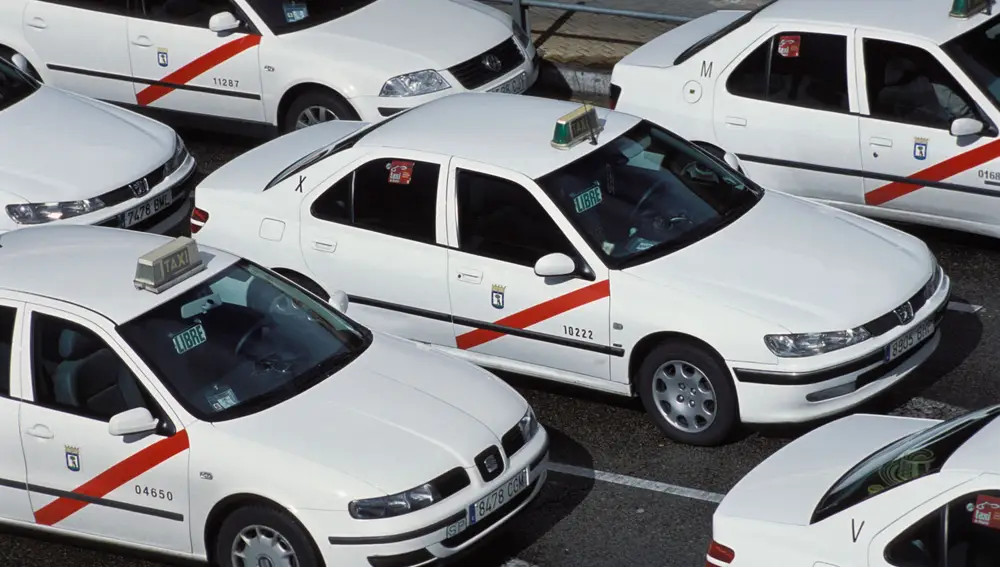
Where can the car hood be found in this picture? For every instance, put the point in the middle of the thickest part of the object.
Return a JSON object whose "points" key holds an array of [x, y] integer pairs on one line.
{"points": [[788, 485], [398, 407], [800, 265], [405, 36], [58, 146]]}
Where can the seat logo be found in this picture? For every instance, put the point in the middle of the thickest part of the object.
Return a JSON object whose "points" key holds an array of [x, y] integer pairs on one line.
{"points": [[491, 62], [491, 464], [140, 187], [904, 312]]}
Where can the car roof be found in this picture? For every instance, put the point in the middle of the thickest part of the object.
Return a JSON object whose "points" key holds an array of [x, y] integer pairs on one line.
{"points": [[978, 453], [91, 266], [509, 131], [927, 19]]}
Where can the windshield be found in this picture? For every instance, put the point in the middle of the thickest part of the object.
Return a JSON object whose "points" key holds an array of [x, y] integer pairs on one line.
{"points": [[285, 16], [914, 456], [975, 52], [14, 85], [647, 193], [242, 342]]}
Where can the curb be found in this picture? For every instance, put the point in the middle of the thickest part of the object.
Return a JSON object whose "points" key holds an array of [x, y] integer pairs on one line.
{"points": [[573, 80]]}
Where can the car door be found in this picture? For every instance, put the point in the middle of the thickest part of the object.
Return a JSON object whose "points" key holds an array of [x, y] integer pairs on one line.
{"points": [[83, 46], [960, 528], [910, 95], [179, 64], [788, 107], [75, 377], [14, 503], [498, 228], [372, 230]]}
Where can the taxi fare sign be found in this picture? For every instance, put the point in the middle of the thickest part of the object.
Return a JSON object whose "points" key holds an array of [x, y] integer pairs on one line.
{"points": [[167, 265], [965, 8], [575, 127]]}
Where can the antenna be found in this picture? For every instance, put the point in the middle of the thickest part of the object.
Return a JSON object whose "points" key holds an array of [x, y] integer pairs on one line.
{"points": [[591, 126]]}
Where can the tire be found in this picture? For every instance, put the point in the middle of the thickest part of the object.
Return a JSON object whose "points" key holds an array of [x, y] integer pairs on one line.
{"points": [[319, 102], [662, 396], [254, 521]]}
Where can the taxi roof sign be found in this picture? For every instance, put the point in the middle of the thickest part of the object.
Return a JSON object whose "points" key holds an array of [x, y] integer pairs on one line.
{"points": [[576, 127], [168, 265], [966, 8]]}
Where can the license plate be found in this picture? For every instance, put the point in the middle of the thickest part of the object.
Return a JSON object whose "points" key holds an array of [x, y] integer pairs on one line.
{"points": [[490, 503], [145, 210], [517, 85], [911, 339]]}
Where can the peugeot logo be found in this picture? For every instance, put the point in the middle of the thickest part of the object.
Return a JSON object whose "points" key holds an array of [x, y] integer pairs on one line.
{"points": [[491, 62], [904, 312], [140, 187], [491, 464]]}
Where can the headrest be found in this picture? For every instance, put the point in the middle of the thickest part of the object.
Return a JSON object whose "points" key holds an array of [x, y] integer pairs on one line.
{"points": [[74, 345], [896, 69]]}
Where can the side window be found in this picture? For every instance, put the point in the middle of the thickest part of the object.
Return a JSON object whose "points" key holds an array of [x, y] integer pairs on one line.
{"points": [[965, 533], [74, 370], [7, 316], [392, 196], [108, 6], [907, 84], [195, 13], [798, 69], [501, 220]]}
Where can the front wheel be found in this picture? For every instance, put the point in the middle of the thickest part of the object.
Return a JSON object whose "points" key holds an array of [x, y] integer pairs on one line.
{"points": [[256, 536], [315, 107], [688, 394]]}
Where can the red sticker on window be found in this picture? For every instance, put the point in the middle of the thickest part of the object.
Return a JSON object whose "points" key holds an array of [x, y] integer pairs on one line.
{"points": [[400, 172], [788, 45], [987, 512]]}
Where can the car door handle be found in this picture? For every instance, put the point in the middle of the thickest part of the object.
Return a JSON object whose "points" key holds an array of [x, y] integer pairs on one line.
{"points": [[470, 276], [736, 121], [40, 431], [882, 142], [38, 23], [142, 41], [324, 246]]}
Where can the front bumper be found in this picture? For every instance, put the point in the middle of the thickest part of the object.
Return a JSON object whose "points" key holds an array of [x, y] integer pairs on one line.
{"points": [[171, 220], [428, 540], [770, 397]]}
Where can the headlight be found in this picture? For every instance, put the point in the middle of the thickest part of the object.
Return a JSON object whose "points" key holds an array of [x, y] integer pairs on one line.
{"points": [[936, 276], [394, 505], [40, 213], [179, 157], [414, 84], [521, 35], [528, 425], [798, 345]]}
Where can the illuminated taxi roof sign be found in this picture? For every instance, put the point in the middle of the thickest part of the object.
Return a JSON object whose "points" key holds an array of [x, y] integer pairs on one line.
{"points": [[168, 265], [575, 127], [966, 8]]}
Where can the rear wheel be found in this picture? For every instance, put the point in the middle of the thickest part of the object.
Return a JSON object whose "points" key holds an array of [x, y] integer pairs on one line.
{"points": [[258, 536], [315, 107]]}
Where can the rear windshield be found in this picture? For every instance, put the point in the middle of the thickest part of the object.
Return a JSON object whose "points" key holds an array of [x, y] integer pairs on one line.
{"points": [[712, 38], [914, 456]]}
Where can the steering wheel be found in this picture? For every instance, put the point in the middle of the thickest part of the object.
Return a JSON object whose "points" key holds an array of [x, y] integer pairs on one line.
{"points": [[256, 328], [640, 211]]}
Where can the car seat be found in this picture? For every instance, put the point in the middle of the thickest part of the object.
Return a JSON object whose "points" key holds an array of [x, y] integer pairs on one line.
{"points": [[91, 376]]}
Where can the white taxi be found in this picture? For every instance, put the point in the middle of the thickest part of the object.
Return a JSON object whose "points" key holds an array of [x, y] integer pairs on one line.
{"points": [[69, 159], [870, 491], [188, 402], [588, 247], [889, 109], [269, 66]]}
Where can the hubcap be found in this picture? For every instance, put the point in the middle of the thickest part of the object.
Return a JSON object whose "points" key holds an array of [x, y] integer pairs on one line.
{"points": [[260, 546], [684, 396], [314, 115]]}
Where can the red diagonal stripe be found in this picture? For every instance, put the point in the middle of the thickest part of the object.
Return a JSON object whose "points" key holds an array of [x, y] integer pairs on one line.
{"points": [[538, 313], [938, 172], [201, 65], [120, 473]]}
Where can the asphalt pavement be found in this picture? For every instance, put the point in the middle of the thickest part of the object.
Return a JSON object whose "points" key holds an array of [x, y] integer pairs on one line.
{"points": [[620, 493]]}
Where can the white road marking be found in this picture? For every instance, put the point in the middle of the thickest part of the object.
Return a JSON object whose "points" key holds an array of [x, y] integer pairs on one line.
{"points": [[964, 307], [634, 482]]}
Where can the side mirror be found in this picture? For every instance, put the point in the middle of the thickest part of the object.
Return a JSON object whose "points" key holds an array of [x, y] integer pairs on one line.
{"points": [[131, 422], [21, 63], [555, 264], [733, 161], [223, 22], [339, 301], [966, 127]]}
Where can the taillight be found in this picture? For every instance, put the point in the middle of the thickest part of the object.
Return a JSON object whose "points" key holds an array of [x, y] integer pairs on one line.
{"points": [[616, 92], [720, 553], [198, 219]]}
